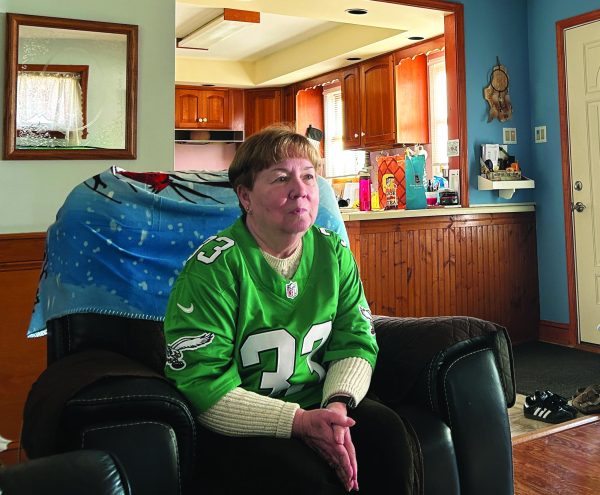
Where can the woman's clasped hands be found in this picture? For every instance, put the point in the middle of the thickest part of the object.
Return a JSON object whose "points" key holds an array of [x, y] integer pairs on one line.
{"points": [[327, 431]]}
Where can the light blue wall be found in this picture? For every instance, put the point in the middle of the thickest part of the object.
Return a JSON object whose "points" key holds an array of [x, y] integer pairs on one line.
{"points": [[32, 191], [543, 94], [522, 34], [497, 29]]}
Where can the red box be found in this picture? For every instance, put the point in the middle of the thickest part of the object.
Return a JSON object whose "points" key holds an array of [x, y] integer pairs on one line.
{"points": [[392, 165]]}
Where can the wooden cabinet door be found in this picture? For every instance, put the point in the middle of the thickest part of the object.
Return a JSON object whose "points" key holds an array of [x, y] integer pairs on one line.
{"points": [[289, 105], [351, 108], [412, 100], [215, 113], [263, 108], [202, 108], [377, 102], [187, 108]]}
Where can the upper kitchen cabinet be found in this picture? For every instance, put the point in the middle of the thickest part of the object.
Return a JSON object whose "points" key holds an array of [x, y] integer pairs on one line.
{"points": [[262, 108], [351, 103], [199, 108], [368, 96], [289, 105], [412, 101]]}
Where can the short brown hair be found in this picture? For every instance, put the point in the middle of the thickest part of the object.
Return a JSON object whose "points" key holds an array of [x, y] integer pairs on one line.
{"points": [[265, 148]]}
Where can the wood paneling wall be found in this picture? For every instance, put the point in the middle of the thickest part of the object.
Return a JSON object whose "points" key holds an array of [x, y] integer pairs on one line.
{"points": [[481, 265], [21, 359]]}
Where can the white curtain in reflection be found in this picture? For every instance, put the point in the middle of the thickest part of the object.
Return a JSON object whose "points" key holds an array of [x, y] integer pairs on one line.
{"points": [[50, 102]]}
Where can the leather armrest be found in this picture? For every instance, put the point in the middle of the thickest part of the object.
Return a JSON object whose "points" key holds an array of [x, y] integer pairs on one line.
{"points": [[410, 348], [103, 400], [118, 412], [461, 369], [125, 398]]}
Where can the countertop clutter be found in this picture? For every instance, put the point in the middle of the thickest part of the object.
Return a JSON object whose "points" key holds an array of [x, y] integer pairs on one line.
{"points": [[501, 171], [354, 214]]}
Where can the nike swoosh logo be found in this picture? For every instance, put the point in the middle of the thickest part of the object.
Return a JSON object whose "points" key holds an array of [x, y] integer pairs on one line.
{"points": [[187, 310]]}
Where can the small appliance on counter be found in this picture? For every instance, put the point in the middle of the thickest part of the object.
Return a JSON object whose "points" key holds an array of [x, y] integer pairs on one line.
{"points": [[448, 197]]}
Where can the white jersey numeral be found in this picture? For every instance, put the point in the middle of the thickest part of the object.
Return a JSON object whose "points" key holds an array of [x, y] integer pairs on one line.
{"points": [[217, 249], [285, 345], [316, 332]]}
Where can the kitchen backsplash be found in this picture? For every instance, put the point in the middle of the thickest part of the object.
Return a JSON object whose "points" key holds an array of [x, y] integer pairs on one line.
{"points": [[204, 156]]}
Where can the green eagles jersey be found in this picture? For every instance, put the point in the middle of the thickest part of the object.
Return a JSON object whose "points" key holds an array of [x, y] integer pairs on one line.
{"points": [[234, 321]]}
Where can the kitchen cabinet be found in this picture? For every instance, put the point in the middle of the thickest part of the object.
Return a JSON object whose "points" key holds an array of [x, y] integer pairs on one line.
{"points": [[351, 103], [412, 100], [289, 105], [368, 98], [310, 111], [262, 108], [203, 108]]}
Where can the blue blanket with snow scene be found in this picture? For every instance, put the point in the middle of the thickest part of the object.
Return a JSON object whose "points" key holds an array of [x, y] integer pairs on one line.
{"points": [[121, 238]]}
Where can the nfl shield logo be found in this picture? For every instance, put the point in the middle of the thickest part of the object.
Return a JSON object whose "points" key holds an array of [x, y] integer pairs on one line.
{"points": [[291, 290]]}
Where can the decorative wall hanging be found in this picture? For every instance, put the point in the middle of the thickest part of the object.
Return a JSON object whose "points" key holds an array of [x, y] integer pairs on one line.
{"points": [[496, 94]]}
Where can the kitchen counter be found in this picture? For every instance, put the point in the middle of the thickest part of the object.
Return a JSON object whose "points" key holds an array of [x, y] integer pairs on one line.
{"points": [[479, 261], [353, 214]]}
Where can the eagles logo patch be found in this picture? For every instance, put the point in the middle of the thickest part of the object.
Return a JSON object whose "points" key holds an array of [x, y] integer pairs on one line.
{"points": [[366, 314], [175, 350]]}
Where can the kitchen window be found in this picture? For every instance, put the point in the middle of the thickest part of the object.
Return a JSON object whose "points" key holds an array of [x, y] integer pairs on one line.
{"points": [[438, 112], [338, 162]]}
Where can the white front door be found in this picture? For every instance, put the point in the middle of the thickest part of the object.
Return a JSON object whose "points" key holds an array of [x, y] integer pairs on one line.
{"points": [[582, 53]]}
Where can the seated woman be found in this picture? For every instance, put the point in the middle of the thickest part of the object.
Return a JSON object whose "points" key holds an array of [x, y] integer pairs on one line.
{"points": [[270, 338]]}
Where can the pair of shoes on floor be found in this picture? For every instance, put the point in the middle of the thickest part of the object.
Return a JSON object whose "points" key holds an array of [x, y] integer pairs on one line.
{"points": [[587, 399], [548, 407]]}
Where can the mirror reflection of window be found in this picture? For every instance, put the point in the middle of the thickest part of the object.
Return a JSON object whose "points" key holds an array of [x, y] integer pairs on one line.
{"points": [[52, 109], [104, 54]]}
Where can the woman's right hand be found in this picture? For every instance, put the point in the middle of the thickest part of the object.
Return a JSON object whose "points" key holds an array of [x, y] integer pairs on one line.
{"points": [[315, 428]]}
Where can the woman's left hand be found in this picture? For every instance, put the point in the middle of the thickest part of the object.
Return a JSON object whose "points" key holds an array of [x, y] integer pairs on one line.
{"points": [[315, 428], [342, 437]]}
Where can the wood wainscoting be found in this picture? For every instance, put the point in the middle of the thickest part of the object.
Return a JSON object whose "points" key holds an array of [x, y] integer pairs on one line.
{"points": [[21, 359], [482, 265]]}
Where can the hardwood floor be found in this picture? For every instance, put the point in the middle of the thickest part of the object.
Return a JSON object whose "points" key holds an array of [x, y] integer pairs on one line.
{"points": [[566, 462]]}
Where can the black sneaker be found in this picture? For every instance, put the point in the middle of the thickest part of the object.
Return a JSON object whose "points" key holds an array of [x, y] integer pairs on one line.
{"points": [[548, 407], [563, 401]]}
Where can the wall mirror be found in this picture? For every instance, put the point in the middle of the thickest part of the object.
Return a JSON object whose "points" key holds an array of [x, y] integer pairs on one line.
{"points": [[71, 89]]}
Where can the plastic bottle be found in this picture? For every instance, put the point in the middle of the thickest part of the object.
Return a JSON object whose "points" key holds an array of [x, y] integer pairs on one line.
{"points": [[364, 190]]}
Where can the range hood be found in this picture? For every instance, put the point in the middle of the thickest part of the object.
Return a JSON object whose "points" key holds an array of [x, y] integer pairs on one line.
{"points": [[187, 136]]}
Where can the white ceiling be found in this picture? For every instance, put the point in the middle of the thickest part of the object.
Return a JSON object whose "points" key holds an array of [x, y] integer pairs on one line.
{"points": [[288, 24]]}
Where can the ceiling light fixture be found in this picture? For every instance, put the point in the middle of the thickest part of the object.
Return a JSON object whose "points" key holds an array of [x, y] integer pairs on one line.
{"points": [[357, 11], [230, 22]]}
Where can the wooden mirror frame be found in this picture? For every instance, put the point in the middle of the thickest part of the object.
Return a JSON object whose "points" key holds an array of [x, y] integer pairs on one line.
{"points": [[11, 152]]}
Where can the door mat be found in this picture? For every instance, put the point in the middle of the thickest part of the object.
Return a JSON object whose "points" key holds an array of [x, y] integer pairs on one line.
{"points": [[562, 370]]}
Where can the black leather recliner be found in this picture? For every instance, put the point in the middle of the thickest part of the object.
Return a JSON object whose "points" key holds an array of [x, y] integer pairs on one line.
{"points": [[450, 377]]}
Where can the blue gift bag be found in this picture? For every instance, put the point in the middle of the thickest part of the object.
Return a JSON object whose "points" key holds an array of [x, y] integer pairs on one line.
{"points": [[415, 178]]}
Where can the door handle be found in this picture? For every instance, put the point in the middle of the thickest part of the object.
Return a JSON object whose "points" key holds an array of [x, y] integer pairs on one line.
{"points": [[579, 207]]}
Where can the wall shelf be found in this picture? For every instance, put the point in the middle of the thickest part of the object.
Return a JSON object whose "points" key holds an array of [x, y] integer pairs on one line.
{"points": [[505, 188]]}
